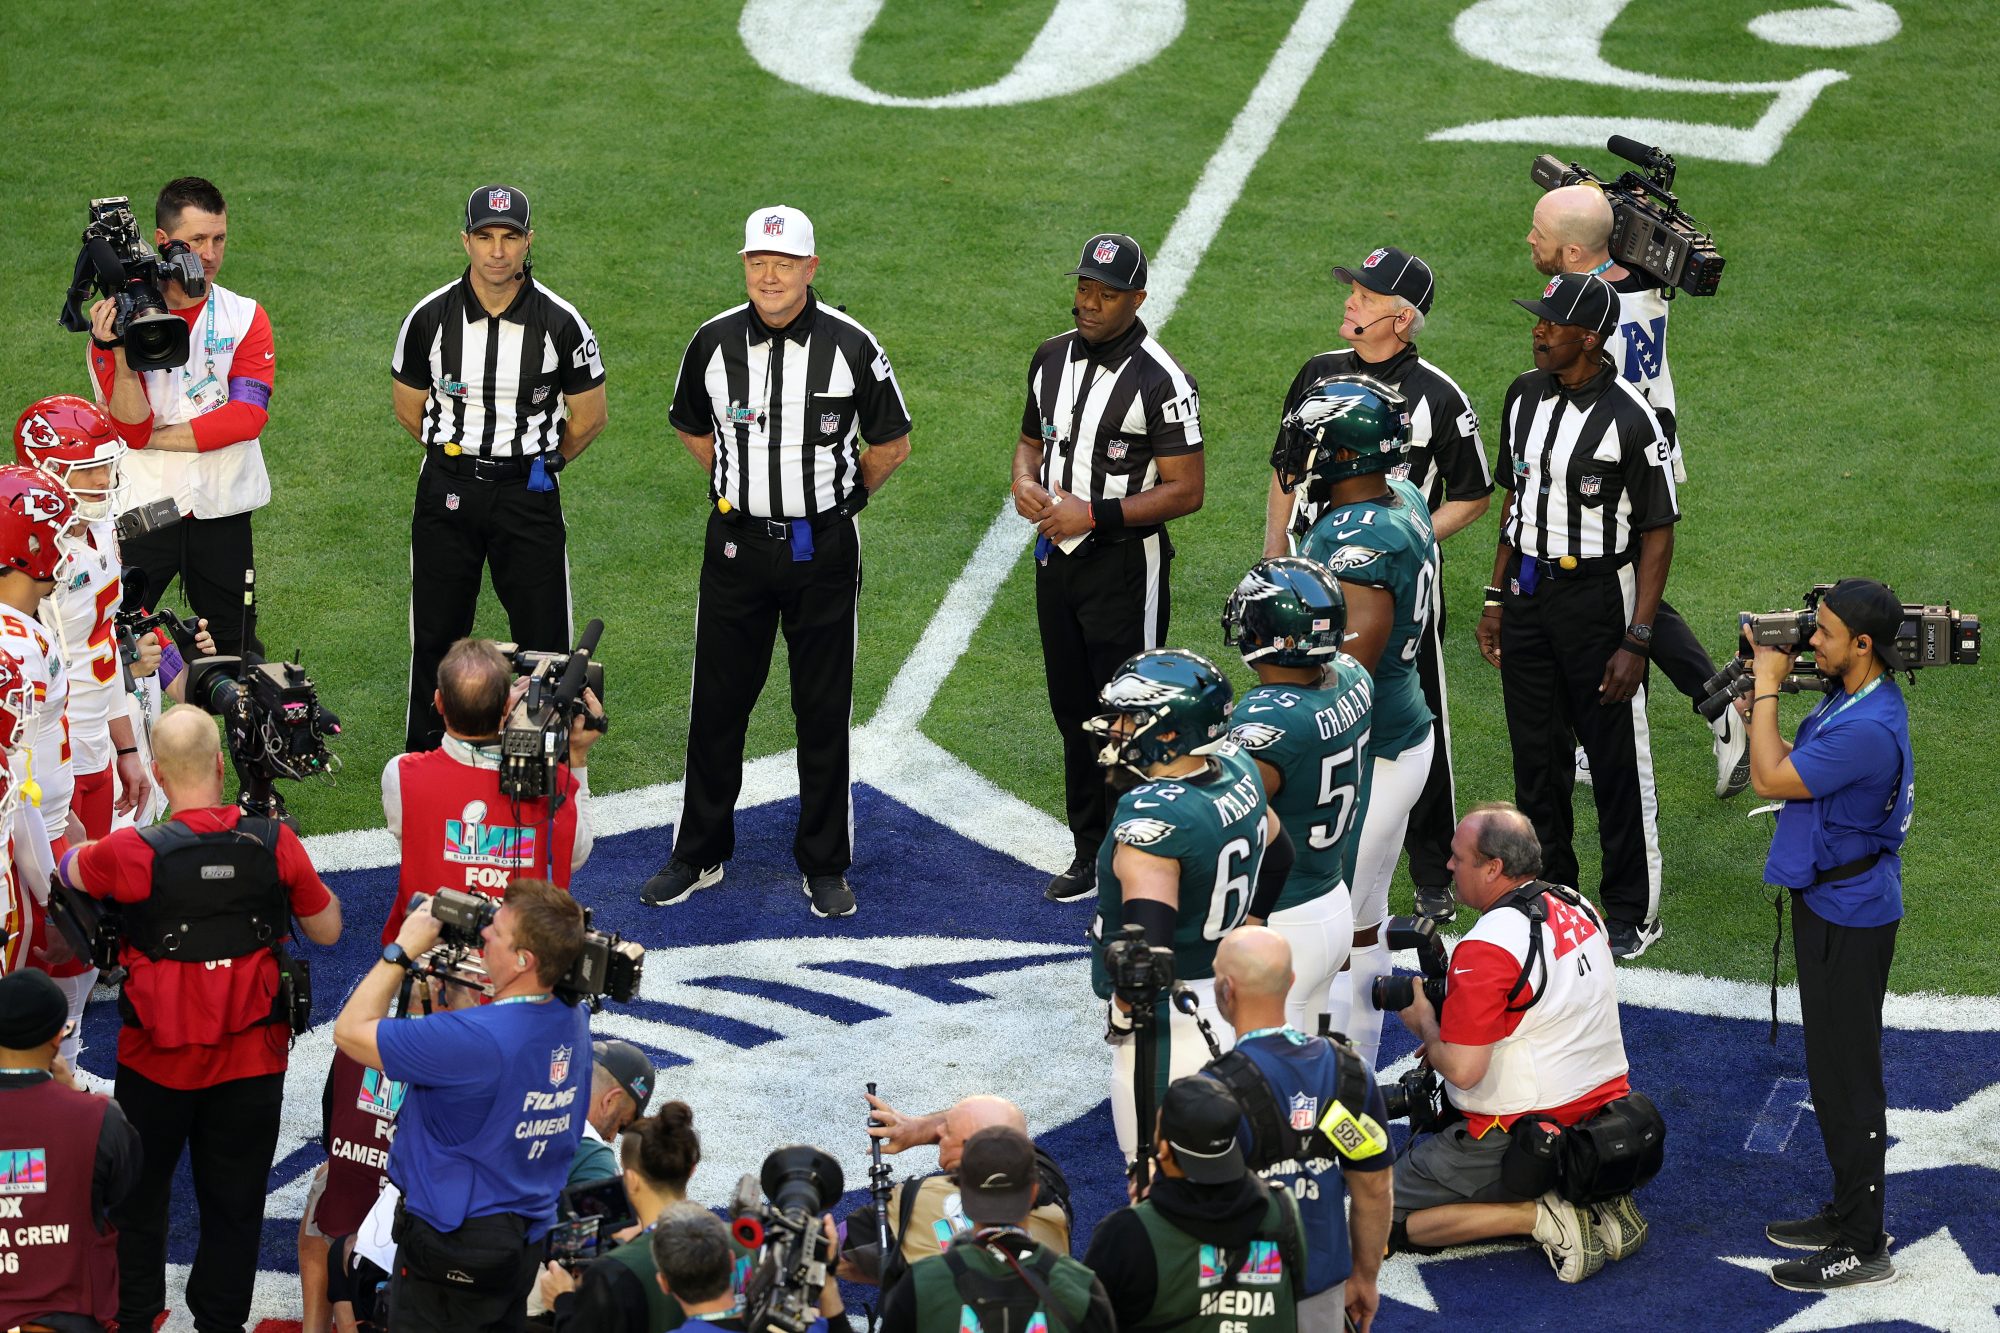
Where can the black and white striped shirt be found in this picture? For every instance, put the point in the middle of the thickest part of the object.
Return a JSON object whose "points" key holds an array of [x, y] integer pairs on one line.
{"points": [[1106, 414], [496, 382], [789, 408], [1589, 467]]}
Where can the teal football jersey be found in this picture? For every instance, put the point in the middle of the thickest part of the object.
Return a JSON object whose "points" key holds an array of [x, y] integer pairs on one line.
{"points": [[1318, 740], [1388, 545], [1215, 829]]}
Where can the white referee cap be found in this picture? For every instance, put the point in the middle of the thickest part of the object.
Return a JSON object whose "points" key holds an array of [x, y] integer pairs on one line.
{"points": [[779, 229]]}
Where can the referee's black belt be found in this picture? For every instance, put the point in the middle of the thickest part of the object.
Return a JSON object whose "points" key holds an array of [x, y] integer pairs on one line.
{"points": [[473, 468], [1097, 539], [1574, 567], [780, 530]]}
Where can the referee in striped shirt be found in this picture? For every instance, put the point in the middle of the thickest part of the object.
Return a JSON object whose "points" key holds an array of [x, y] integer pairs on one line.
{"points": [[1586, 538], [776, 400], [1110, 449], [500, 380]]}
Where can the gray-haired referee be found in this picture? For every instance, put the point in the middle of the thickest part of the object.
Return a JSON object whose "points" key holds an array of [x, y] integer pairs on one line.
{"points": [[1110, 449], [499, 379], [776, 400]]}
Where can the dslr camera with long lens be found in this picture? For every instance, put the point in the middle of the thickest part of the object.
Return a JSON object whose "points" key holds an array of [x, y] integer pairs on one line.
{"points": [[116, 262], [1393, 994], [535, 737], [1930, 635], [607, 968], [1650, 232], [798, 1184]]}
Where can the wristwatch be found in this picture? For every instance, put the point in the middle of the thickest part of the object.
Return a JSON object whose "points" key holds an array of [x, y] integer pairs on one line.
{"points": [[395, 956], [1639, 633]]}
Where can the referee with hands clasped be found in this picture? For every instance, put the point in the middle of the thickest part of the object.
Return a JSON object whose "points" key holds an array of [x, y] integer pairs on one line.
{"points": [[793, 410], [1110, 449]]}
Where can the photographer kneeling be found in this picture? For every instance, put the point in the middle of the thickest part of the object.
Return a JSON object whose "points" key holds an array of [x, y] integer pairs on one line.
{"points": [[1529, 1036], [492, 1115], [456, 827]]}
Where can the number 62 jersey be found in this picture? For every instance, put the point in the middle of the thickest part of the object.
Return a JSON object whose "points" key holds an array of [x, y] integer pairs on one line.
{"points": [[1212, 823]]}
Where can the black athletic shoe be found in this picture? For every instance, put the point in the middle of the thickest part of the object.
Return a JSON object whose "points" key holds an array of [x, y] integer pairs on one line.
{"points": [[1810, 1233], [1079, 881], [1833, 1268], [830, 895], [1437, 904], [676, 881], [1629, 941]]}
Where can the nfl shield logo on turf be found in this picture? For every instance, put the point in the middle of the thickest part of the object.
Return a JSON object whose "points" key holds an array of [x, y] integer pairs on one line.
{"points": [[774, 224], [558, 1066], [1304, 1108], [450, 501], [829, 422], [1373, 259], [500, 201], [1105, 252], [1591, 485], [729, 550]]}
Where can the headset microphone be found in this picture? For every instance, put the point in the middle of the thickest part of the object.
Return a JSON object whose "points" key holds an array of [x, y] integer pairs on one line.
{"points": [[1357, 329]]}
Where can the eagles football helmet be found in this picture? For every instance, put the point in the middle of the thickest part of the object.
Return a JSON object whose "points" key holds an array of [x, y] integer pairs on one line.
{"points": [[63, 433], [1342, 414], [1287, 611], [35, 509], [1163, 703]]}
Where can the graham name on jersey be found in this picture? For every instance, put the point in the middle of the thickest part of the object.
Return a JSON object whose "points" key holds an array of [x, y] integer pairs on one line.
{"points": [[1354, 705]]}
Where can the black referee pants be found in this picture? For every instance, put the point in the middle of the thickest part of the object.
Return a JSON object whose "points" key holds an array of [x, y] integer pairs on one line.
{"points": [[750, 588], [1679, 654], [230, 1133], [1553, 650], [1096, 608], [1434, 818], [209, 557], [460, 525], [1843, 975]]}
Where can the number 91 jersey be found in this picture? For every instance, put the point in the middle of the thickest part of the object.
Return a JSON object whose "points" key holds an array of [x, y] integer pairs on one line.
{"points": [[81, 609], [1212, 823]]}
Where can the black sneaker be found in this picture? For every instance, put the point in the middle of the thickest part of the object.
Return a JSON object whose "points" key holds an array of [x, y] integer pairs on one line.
{"points": [[1833, 1268], [1437, 904], [1810, 1233], [676, 881], [1079, 881], [1629, 941], [830, 895]]}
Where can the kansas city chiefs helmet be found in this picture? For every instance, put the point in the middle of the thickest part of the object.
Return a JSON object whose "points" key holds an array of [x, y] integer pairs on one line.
{"points": [[1288, 611], [1354, 415], [35, 508], [64, 434], [1163, 703]]}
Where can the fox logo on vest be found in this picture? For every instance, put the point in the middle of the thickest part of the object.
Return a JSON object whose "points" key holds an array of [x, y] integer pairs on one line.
{"points": [[470, 841]]}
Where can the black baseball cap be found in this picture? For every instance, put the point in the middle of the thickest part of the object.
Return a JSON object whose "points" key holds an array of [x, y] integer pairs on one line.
{"points": [[32, 1009], [1113, 259], [1581, 299], [996, 1176], [1393, 272], [496, 206], [628, 1067], [1199, 1119], [1869, 607]]}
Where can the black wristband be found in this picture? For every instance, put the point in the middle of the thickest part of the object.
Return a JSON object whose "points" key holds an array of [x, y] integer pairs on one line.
{"points": [[128, 749], [1492, 593], [104, 346], [1632, 645], [1158, 920], [1107, 515], [1761, 698]]}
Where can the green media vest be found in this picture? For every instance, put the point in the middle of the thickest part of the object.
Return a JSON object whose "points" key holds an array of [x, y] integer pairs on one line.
{"points": [[943, 1308], [1195, 1295]]}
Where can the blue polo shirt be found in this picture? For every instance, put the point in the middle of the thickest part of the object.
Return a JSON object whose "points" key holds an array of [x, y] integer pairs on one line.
{"points": [[494, 1109], [1853, 754]]}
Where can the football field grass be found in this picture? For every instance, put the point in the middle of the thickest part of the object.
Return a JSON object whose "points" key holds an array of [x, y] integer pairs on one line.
{"points": [[1836, 404]]}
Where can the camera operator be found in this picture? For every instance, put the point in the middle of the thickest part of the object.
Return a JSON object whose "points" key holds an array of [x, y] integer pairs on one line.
{"points": [[696, 1259], [208, 1027], [1529, 1032], [621, 1082], [1253, 976], [1571, 233], [927, 1212], [1149, 1256], [456, 827], [492, 1114], [194, 428], [61, 1264], [996, 1268], [1848, 787]]}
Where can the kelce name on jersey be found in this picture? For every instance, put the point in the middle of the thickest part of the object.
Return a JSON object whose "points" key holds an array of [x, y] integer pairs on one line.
{"points": [[1241, 800]]}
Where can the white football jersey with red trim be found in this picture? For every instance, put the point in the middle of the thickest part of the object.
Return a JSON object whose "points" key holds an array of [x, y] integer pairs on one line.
{"points": [[47, 760], [80, 612]]}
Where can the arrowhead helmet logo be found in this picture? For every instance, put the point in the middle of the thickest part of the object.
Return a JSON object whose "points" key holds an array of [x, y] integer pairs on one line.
{"points": [[37, 433], [1374, 259], [500, 201], [1105, 252], [42, 505]]}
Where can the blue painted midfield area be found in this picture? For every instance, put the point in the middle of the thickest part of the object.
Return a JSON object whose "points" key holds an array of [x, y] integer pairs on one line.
{"points": [[1717, 1080]]}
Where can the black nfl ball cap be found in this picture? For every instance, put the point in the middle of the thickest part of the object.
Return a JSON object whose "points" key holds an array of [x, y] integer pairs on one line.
{"points": [[1580, 299], [496, 206], [996, 1176], [1199, 1119], [1869, 607], [1393, 272], [1113, 259]]}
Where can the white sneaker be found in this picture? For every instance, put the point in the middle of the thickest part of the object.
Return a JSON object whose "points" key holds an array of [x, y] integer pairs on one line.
{"points": [[1582, 767], [1732, 754], [1568, 1236]]}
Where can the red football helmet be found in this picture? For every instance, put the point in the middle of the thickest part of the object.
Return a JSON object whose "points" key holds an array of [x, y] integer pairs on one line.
{"points": [[35, 509], [62, 433]]}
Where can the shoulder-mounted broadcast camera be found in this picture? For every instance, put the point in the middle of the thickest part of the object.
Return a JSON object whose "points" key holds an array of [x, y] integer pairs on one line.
{"points": [[535, 737], [116, 262], [1650, 232], [1930, 635], [607, 968], [799, 1183]]}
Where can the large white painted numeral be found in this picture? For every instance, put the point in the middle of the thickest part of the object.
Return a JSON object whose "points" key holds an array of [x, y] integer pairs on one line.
{"points": [[1084, 43]]}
